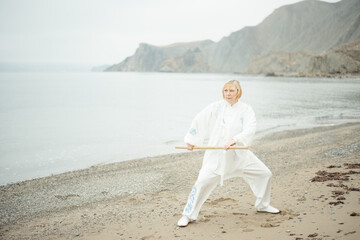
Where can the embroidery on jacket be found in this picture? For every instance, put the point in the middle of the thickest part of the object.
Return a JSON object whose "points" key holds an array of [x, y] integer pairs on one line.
{"points": [[242, 124], [192, 131]]}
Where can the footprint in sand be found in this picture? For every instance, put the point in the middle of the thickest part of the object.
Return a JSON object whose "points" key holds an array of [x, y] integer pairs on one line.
{"points": [[269, 225], [236, 213], [148, 237], [222, 200]]}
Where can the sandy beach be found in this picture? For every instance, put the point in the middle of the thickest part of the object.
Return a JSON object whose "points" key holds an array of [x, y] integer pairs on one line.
{"points": [[315, 184]]}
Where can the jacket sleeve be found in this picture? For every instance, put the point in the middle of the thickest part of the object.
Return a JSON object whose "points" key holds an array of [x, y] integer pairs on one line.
{"points": [[245, 137], [199, 127]]}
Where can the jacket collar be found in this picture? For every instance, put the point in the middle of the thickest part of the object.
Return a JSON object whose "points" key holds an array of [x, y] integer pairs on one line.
{"points": [[229, 105]]}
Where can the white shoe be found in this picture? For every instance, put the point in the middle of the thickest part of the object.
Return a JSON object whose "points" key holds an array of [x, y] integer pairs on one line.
{"points": [[269, 209], [183, 221]]}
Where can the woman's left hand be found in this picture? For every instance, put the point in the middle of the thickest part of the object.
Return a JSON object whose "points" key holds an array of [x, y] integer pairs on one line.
{"points": [[229, 144]]}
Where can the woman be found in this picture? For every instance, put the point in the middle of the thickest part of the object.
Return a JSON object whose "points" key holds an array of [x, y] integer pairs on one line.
{"points": [[226, 123]]}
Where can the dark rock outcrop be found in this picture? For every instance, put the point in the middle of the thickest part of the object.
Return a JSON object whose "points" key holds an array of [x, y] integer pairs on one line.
{"points": [[344, 59]]}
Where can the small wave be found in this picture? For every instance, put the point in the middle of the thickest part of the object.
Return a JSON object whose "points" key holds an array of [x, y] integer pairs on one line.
{"points": [[275, 129], [171, 142], [329, 117]]}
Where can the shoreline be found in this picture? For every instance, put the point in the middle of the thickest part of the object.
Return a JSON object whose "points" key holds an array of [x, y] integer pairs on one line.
{"points": [[311, 75], [144, 197], [261, 135]]}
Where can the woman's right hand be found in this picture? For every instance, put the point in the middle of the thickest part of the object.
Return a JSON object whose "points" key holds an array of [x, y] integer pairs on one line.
{"points": [[190, 147]]}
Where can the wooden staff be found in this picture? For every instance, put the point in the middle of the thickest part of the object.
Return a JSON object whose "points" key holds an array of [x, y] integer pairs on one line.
{"points": [[209, 147]]}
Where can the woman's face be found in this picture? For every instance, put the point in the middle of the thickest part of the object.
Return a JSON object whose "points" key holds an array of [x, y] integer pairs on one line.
{"points": [[230, 93]]}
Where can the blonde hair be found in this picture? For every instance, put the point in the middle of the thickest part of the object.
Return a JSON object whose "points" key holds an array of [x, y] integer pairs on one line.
{"points": [[236, 84]]}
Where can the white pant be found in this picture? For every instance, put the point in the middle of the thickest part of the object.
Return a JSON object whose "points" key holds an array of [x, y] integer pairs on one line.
{"points": [[255, 173]]}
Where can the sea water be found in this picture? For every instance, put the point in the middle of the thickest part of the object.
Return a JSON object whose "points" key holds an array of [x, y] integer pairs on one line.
{"points": [[56, 122]]}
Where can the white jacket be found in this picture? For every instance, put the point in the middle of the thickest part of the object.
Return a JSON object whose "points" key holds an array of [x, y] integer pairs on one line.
{"points": [[216, 125]]}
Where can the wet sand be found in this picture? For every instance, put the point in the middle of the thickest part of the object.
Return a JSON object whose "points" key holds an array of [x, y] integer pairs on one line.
{"points": [[315, 184]]}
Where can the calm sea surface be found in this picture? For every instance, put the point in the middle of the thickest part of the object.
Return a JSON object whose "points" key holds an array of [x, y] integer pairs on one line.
{"points": [[56, 122]]}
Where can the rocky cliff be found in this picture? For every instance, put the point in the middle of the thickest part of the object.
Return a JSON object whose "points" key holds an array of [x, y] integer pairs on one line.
{"points": [[179, 57], [344, 59], [281, 63], [340, 60], [296, 33]]}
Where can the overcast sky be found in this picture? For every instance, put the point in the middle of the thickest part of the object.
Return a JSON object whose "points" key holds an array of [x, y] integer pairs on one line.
{"points": [[97, 32]]}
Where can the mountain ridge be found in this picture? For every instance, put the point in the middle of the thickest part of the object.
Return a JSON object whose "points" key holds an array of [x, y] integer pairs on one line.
{"points": [[309, 25]]}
